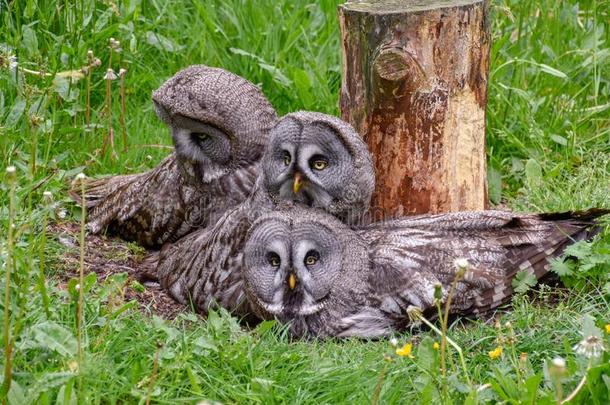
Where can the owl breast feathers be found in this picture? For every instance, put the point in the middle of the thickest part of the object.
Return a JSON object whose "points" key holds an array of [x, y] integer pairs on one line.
{"points": [[311, 159], [305, 268]]}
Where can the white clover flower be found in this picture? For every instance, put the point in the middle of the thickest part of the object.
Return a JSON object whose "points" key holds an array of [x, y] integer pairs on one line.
{"points": [[62, 214], [393, 342]]}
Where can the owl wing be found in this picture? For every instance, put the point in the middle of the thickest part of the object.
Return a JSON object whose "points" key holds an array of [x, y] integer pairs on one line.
{"points": [[204, 267], [149, 208], [410, 255]]}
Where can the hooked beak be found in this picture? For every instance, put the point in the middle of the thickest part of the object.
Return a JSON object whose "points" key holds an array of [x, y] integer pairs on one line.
{"points": [[298, 181], [292, 281]]}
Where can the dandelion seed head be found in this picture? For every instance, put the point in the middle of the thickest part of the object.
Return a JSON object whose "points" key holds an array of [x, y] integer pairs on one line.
{"points": [[110, 75], [414, 313], [590, 347], [559, 362], [461, 263], [47, 197]]}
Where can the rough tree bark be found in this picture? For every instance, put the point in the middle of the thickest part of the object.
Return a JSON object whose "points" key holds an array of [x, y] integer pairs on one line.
{"points": [[415, 87]]}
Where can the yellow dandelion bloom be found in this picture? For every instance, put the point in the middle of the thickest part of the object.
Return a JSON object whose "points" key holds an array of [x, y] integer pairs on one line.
{"points": [[608, 328], [436, 346], [495, 353], [405, 351]]}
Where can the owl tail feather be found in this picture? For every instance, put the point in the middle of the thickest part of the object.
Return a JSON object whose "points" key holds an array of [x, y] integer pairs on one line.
{"points": [[101, 198], [559, 230], [96, 190]]}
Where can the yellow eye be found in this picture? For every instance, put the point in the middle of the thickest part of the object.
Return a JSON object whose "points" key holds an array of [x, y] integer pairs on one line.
{"points": [[201, 136], [311, 259], [319, 164], [274, 260], [286, 158]]}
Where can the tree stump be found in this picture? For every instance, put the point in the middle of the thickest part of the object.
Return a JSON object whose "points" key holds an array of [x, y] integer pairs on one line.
{"points": [[415, 87]]}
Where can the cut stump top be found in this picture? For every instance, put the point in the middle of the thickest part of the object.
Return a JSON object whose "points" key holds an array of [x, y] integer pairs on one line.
{"points": [[403, 6]]}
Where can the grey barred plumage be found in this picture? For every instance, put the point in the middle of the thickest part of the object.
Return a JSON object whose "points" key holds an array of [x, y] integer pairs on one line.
{"points": [[219, 124], [205, 267], [320, 161], [306, 268]]}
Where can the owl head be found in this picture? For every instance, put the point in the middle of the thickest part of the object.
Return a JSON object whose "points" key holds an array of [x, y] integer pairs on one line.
{"points": [[320, 161], [295, 263], [218, 120]]}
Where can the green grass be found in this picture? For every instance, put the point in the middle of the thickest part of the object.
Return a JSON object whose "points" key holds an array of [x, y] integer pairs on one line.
{"points": [[548, 148]]}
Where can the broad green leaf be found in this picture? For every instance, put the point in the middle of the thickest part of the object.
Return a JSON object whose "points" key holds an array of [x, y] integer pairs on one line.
{"points": [[29, 41], [16, 113], [589, 328], [579, 250], [55, 337], [494, 181], [559, 139], [102, 20], [533, 172], [162, 43], [552, 71], [303, 87], [561, 268], [65, 88], [203, 345], [46, 383], [277, 74], [523, 281], [16, 395], [66, 395]]}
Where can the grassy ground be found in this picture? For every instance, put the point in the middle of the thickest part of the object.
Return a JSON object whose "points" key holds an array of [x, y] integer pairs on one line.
{"points": [[548, 148]]}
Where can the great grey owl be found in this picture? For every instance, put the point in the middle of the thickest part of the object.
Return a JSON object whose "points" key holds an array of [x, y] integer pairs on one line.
{"points": [[219, 124], [305, 268], [313, 159]]}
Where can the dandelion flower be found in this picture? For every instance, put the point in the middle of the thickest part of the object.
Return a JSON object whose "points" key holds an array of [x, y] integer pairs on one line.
{"points": [[436, 346], [405, 351], [608, 328], [495, 353], [590, 347]]}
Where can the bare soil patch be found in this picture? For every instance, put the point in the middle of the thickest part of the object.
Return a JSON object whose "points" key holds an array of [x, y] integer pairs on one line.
{"points": [[106, 256]]}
